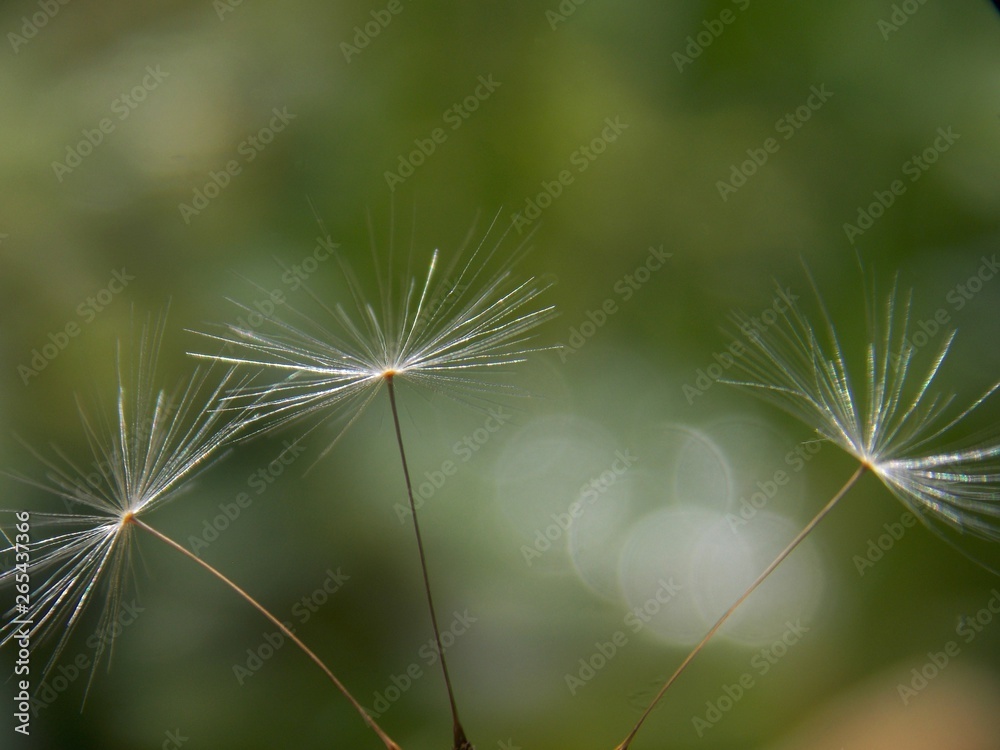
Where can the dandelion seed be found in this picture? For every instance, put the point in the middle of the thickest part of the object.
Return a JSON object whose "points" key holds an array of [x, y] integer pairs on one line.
{"points": [[892, 420], [143, 458], [439, 332], [889, 419]]}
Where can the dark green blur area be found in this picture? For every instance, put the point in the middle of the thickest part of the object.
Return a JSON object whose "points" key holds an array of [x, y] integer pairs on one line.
{"points": [[870, 96]]}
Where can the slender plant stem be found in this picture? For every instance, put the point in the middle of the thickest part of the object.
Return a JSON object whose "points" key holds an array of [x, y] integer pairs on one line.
{"points": [[390, 745], [461, 743], [750, 589]]}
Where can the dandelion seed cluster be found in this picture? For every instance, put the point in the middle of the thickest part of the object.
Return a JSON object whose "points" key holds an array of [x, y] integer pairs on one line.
{"points": [[436, 333], [439, 333], [889, 418], [152, 444], [448, 330]]}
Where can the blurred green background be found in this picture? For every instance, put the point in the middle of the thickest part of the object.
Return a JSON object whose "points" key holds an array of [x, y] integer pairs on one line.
{"points": [[643, 108]]}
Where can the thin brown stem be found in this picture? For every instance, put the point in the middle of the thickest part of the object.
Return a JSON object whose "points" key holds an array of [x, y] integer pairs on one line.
{"points": [[460, 742], [750, 589], [389, 744]]}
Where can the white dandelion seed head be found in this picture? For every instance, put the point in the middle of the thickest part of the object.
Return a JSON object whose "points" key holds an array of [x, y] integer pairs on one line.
{"points": [[888, 415], [139, 457], [442, 331]]}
